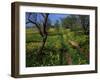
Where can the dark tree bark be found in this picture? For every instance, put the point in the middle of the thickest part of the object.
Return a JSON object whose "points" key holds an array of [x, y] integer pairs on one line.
{"points": [[45, 34]]}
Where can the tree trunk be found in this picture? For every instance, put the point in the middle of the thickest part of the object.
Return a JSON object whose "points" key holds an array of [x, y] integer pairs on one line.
{"points": [[40, 53], [43, 44]]}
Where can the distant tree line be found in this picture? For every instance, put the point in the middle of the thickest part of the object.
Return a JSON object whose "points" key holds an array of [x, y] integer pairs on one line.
{"points": [[75, 23]]}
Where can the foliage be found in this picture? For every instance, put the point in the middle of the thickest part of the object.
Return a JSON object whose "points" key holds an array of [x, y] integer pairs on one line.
{"points": [[56, 47], [56, 39]]}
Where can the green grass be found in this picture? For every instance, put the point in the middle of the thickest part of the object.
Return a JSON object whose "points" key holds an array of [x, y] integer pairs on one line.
{"points": [[56, 42]]}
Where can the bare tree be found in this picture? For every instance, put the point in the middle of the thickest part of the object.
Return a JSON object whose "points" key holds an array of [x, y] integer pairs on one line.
{"points": [[41, 26]]}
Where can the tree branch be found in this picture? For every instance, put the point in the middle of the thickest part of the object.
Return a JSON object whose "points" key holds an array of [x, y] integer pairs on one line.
{"points": [[45, 24], [36, 24]]}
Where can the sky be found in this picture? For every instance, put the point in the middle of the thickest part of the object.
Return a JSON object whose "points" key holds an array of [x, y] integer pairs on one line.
{"points": [[52, 17]]}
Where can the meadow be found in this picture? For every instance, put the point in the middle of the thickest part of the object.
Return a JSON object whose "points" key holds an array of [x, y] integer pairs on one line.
{"points": [[63, 47]]}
